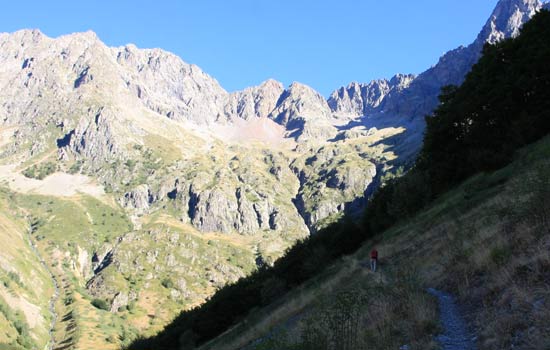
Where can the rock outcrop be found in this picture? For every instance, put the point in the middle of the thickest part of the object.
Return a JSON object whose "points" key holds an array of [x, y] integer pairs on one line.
{"points": [[138, 199], [168, 86], [361, 99], [255, 102], [304, 113]]}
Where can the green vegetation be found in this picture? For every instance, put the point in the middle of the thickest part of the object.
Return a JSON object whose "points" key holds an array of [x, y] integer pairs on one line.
{"points": [[23, 282], [101, 304], [23, 339], [85, 221], [491, 110], [167, 283], [40, 171], [76, 167], [231, 303]]}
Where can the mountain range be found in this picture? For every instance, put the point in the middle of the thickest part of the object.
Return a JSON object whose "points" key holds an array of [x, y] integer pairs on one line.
{"points": [[206, 185]]}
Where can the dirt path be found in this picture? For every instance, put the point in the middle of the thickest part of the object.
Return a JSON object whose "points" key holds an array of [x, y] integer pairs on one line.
{"points": [[456, 335]]}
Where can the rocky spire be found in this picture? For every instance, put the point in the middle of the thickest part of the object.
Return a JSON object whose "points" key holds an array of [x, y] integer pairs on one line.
{"points": [[302, 101], [358, 99], [256, 101], [507, 19]]}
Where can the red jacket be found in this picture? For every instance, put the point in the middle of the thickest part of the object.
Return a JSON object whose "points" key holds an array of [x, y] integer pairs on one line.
{"points": [[374, 254]]}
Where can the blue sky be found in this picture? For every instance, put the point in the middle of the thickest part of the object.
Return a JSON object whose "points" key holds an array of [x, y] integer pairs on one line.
{"points": [[325, 44]]}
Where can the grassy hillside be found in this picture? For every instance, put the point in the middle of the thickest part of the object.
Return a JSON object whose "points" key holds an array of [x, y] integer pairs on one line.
{"points": [[25, 284], [487, 241]]}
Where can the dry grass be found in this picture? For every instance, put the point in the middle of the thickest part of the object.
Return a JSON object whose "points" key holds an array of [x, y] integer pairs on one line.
{"points": [[346, 308], [493, 253], [295, 304], [361, 313]]}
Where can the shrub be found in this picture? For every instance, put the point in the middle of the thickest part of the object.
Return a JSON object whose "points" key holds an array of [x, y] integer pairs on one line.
{"points": [[131, 306], [40, 171], [101, 304], [167, 283], [69, 299], [14, 277], [76, 167]]}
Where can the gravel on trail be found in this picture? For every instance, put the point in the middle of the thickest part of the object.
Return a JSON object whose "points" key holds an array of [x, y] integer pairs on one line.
{"points": [[456, 335]]}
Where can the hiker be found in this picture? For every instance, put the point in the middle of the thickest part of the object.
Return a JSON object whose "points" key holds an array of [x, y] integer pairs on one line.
{"points": [[373, 259]]}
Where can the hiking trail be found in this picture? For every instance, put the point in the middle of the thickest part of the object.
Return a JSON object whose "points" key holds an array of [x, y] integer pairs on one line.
{"points": [[455, 335]]}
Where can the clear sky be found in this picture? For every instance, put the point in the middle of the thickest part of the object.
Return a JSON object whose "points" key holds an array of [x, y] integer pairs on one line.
{"points": [[325, 44]]}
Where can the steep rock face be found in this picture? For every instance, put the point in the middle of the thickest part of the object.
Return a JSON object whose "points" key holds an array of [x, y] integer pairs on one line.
{"points": [[360, 99], [507, 19], [169, 86], [304, 112], [254, 196], [212, 210], [217, 211], [138, 199], [300, 101], [93, 139], [332, 178], [242, 203], [255, 102]]}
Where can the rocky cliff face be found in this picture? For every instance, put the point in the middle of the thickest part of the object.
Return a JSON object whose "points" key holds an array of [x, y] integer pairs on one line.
{"points": [[168, 86], [304, 113], [507, 20], [255, 102], [360, 99]]}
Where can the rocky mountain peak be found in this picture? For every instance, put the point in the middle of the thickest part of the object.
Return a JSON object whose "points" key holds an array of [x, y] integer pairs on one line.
{"points": [[24, 36], [169, 86], [300, 100], [254, 102], [404, 101], [359, 99], [420, 94], [507, 19], [88, 36], [402, 81], [298, 89], [305, 114], [271, 84]]}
